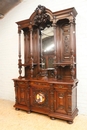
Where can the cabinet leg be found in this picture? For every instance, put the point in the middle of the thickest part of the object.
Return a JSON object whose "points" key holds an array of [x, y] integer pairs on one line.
{"points": [[28, 112], [17, 109], [52, 118], [70, 122]]}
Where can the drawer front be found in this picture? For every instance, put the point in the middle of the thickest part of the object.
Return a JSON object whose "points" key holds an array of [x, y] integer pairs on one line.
{"points": [[22, 84], [39, 84], [61, 86]]}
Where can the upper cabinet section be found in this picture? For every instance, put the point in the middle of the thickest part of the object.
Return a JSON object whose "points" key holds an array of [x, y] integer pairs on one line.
{"points": [[43, 17], [49, 43]]}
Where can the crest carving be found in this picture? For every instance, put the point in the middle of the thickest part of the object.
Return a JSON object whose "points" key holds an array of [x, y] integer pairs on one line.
{"points": [[41, 19]]}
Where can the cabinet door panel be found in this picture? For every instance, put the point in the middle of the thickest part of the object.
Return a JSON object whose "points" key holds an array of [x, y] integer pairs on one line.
{"points": [[22, 93], [61, 101], [40, 97], [22, 96], [65, 46]]}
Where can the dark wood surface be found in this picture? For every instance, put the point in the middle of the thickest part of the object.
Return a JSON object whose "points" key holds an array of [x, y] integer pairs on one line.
{"points": [[49, 84]]}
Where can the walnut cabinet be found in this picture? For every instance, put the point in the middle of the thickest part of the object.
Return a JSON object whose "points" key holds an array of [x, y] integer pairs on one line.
{"points": [[47, 81]]}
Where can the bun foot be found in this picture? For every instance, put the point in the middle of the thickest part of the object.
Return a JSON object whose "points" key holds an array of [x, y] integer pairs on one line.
{"points": [[52, 118], [28, 112], [70, 122], [17, 109]]}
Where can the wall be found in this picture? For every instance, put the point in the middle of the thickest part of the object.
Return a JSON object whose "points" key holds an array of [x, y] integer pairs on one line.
{"points": [[9, 45]]}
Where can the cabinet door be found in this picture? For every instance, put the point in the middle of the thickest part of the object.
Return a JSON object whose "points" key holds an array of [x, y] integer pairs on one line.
{"points": [[61, 100], [40, 93], [22, 93]]}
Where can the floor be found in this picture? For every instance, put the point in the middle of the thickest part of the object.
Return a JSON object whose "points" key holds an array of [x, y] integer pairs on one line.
{"points": [[10, 119]]}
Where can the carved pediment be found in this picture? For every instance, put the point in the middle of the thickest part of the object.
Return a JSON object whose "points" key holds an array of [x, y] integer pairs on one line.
{"points": [[41, 19]]}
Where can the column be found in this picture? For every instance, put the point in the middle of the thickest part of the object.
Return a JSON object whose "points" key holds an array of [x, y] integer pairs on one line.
{"points": [[31, 51], [19, 60]]}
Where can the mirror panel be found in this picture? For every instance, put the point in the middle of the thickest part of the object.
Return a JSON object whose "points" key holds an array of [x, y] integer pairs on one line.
{"points": [[48, 47], [47, 39]]}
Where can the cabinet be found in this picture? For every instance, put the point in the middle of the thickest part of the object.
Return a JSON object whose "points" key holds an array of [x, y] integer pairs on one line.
{"points": [[49, 82]]}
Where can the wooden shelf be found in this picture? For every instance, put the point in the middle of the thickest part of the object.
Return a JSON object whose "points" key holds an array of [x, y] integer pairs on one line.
{"points": [[29, 64], [64, 64]]}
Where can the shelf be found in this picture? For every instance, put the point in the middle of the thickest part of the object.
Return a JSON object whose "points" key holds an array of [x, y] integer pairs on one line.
{"points": [[29, 64], [64, 64], [41, 63], [48, 69]]}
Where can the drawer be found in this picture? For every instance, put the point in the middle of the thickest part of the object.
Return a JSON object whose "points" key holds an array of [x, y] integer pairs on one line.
{"points": [[22, 84], [39, 84], [61, 86]]}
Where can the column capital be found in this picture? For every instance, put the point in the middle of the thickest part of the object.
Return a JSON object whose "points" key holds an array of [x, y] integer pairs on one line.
{"points": [[19, 29]]}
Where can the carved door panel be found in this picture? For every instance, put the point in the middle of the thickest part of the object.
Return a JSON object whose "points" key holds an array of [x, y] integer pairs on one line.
{"points": [[65, 44], [22, 93], [40, 97], [61, 101], [48, 59]]}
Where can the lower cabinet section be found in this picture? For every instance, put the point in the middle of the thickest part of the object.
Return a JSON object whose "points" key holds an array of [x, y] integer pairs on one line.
{"points": [[55, 99]]}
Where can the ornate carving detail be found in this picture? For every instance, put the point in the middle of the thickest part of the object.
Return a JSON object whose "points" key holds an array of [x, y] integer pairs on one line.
{"points": [[72, 65], [61, 95], [52, 97], [41, 19], [69, 102], [66, 44], [20, 68], [50, 62], [61, 107], [66, 33]]}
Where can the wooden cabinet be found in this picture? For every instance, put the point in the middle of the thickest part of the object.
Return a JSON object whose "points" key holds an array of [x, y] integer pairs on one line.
{"points": [[49, 83]]}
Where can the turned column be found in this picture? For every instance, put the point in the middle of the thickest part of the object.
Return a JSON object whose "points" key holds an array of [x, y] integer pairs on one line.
{"points": [[72, 66], [31, 51], [41, 53], [19, 60], [55, 51], [72, 42], [72, 32]]}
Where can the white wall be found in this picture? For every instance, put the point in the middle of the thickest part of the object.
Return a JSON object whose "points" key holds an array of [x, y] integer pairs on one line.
{"points": [[9, 45]]}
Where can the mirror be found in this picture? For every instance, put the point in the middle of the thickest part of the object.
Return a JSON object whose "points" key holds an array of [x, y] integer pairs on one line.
{"points": [[47, 47], [47, 39]]}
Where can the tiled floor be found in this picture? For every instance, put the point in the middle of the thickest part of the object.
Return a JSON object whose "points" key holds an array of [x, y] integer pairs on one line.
{"points": [[10, 119]]}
